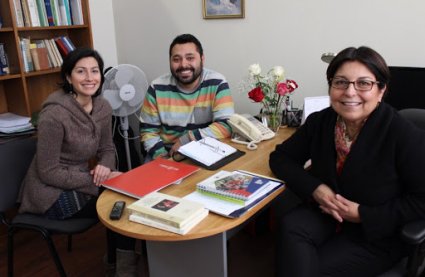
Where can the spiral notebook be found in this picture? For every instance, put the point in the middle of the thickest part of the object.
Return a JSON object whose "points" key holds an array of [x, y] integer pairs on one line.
{"points": [[233, 186]]}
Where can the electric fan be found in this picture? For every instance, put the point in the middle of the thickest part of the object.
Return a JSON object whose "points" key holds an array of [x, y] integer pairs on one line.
{"points": [[124, 88]]}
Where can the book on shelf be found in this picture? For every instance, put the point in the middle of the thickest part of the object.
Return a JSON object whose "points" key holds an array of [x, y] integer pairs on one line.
{"points": [[76, 12], [166, 209], [49, 12], [55, 50], [150, 177], [18, 13], [42, 13], [33, 13], [4, 61], [26, 55], [65, 16], [54, 4], [40, 58], [26, 13], [42, 44], [52, 57], [210, 152], [64, 44]]}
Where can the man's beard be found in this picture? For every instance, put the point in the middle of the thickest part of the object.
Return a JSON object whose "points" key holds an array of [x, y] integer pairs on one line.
{"points": [[195, 75]]}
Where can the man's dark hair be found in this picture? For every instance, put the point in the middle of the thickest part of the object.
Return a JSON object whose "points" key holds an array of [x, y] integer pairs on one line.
{"points": [[187, 38]]}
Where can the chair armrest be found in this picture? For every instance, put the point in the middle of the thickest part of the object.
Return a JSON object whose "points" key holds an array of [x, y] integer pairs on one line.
{"points": [[414, 232]]}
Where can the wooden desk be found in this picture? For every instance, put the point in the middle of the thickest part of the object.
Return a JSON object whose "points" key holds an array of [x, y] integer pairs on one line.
{"points": [[204, 247]]}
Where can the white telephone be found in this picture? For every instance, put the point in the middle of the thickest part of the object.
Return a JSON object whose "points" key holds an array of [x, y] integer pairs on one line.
{"points": [[249, 128]]}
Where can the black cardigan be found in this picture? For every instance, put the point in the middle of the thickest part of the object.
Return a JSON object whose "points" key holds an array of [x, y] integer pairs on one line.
{"points": [[384, 171]]}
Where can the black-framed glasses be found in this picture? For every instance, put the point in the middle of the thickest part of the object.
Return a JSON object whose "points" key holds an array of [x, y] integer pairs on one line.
{"points": [[360, 85]]}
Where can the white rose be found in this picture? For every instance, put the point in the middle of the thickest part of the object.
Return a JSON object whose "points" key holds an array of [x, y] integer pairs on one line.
{"points": [[254, 69], [278, 72]]}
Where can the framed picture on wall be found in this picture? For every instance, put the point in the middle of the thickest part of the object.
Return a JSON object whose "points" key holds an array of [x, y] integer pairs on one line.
{"points": [[215, 9]]}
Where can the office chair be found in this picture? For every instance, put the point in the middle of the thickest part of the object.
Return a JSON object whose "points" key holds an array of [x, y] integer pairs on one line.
{"points": [[15, 158], [412, 233]]}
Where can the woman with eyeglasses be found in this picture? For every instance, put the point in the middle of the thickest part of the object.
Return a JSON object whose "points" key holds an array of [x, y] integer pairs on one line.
{"points": [[364, 182]]}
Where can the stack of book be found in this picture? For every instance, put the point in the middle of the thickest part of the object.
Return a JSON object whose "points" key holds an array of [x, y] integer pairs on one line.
{"points": [[13, 124], [167, 212]]}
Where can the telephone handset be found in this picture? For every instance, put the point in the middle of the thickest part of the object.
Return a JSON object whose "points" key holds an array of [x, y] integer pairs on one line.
{"points": [[249, 128]]}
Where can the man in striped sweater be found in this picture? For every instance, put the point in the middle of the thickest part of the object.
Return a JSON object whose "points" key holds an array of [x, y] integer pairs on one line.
{"points": [[189, 103]]}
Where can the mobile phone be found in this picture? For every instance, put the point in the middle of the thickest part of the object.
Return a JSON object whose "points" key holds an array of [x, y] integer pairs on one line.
{"points": [[117, 210]]}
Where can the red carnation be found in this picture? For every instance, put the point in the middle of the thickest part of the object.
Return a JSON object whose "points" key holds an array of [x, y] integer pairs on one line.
{"points": [[256, 94]]}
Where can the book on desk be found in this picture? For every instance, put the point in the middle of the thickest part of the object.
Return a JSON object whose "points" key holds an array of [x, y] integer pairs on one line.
{"points": [[167, 212], [229, 206], [234, 186], [150, 177]]}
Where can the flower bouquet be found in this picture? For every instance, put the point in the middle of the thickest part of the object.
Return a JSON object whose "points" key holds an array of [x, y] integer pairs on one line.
{"points": [[272, 90]]}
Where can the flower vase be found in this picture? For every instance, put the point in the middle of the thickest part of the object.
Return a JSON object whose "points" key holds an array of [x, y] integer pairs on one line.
{"points": [[272, 120]]}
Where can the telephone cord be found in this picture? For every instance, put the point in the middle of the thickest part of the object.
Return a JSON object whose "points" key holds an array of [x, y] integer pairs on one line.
{"points": [[250, 145]]}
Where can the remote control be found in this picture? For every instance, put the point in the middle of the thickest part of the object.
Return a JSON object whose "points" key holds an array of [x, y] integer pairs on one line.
{"points": [[117, 210]]}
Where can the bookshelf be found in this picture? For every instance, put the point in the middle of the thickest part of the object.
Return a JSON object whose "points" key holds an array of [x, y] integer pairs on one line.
{"points": [[24, 92]]}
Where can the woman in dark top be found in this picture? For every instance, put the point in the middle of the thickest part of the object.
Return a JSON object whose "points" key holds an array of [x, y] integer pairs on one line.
{"points": [[365, 179]]}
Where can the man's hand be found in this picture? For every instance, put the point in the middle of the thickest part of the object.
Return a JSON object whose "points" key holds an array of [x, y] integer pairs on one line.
{"points": [[175, 147]]}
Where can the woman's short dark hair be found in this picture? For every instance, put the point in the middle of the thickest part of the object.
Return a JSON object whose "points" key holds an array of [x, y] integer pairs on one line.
{"points": [[187, 38], [71, 60], [365, 55]]}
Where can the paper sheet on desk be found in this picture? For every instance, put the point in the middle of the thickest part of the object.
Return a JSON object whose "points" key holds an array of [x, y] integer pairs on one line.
{"points": [[314, 104], [228, 208]]}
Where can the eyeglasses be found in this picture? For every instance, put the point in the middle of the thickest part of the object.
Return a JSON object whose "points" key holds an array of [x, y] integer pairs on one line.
{"points": [[360, 85]]}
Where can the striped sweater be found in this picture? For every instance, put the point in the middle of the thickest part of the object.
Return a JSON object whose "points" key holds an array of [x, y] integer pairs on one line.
{"points": [[169, 114]]}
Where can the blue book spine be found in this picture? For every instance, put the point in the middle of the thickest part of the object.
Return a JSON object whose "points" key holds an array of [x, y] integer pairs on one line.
{"points": [[68, 43], [49, 13]]}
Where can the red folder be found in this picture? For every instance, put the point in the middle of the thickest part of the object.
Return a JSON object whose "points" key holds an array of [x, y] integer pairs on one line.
{"points": [[150, 177]]}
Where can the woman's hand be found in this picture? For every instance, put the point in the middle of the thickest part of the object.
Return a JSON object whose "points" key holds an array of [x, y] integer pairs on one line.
{"points": [[326, 198], [351, 211], [337, 206], [100, 173], [114, 174]]}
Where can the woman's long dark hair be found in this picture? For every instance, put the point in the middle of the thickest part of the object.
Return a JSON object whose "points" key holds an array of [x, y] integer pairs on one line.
{"points": [[71, 60]]}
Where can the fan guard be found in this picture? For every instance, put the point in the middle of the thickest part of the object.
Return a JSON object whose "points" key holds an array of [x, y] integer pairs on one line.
{"points": [[125, 87]]}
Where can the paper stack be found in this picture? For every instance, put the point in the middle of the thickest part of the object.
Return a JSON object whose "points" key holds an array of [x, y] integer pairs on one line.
{"points": [[11, 123]]}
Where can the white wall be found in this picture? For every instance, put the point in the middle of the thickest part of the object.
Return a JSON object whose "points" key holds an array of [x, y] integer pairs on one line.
{"points": [[103, 29], [291, 33]]}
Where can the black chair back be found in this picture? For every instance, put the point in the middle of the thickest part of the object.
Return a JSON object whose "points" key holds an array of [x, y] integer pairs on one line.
{"points": [[15, 158]]}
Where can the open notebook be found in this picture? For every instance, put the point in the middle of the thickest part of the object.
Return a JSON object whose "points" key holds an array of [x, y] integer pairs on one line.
{"points": [[209, 152]]}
